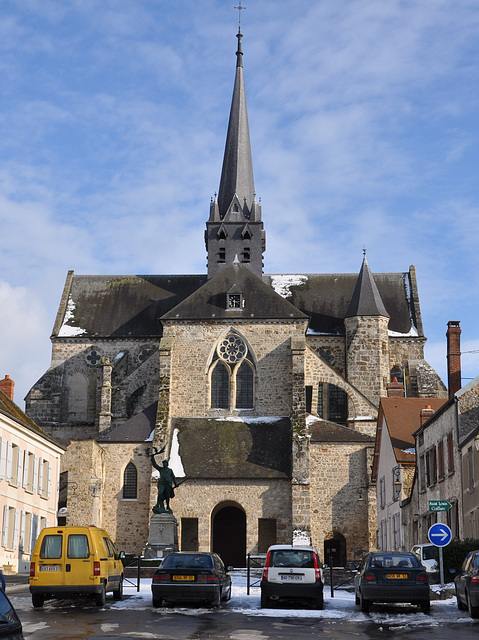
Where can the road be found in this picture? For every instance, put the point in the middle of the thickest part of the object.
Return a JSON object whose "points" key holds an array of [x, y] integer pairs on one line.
{"points": [[240, 619]]}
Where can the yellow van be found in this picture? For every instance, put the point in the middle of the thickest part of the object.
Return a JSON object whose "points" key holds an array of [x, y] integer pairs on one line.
{"points": [[75, 561]]}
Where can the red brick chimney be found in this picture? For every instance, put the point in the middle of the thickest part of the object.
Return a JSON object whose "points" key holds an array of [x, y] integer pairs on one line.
{"points": [[453, 336], [426, 413], [395, 389], [7, 386]]}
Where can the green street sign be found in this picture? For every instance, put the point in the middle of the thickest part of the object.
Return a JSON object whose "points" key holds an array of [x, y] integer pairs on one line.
{"points": [[439, 505]]}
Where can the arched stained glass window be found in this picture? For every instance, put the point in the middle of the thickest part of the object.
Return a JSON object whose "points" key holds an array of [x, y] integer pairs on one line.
{"points": [[130, 482], [244, 386], [220, 386]]}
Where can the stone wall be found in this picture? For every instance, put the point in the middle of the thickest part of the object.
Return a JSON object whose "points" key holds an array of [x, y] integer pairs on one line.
{"points": [[337, 471]]}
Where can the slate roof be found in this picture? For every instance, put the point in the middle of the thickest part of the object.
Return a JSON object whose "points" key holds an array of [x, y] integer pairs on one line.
{"points": [[325, 431], [13, 411], [252, 448], [259, 300], [131, 306], [366, 299], [137, 429]]}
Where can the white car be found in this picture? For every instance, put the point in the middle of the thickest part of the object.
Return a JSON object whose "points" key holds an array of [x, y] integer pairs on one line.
{"points": [[292, 573], [428, 554]]}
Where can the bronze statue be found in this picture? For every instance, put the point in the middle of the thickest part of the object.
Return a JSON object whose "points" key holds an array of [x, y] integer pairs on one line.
{"points": [[166, 483]]}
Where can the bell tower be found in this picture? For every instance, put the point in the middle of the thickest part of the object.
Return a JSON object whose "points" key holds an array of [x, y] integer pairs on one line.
{"points": [[234, 230]]}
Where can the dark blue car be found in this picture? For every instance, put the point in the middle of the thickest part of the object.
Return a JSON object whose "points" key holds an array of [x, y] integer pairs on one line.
{"points": [[467, 585]]}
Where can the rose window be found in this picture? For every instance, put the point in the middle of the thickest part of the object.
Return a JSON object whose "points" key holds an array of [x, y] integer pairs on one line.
{"points": [[232, 349]]}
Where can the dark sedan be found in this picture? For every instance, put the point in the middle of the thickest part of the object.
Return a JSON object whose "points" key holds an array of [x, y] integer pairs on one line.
{"points": [[10, 625], [467, 585], [391, 577], [191, 577]]}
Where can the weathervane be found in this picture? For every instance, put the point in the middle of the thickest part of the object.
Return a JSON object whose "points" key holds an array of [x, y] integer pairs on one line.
{"points": [[240, 9]]}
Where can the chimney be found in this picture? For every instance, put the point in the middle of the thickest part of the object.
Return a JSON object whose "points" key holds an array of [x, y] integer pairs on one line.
{"points": [[426, 413], [395, 389], [7, 386], [453, 336]]}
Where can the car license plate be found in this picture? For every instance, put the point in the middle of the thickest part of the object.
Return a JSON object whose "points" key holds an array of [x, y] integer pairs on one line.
{"points": [[291, 576], [184, 578], [51, 567], [396, 576]]}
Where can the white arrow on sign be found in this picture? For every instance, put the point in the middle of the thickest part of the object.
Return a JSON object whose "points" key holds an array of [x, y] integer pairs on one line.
{"points": [[443, 534]]}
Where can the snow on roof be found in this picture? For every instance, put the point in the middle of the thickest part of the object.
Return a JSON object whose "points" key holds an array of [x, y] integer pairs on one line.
{"points": [[67, 330], [282, 283]]}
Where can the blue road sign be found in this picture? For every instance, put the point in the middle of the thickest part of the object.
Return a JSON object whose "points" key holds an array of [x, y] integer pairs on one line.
{"points": [[439, 534]]}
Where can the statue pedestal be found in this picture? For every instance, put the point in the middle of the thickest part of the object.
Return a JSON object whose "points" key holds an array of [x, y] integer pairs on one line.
{"points": [[163, 536]]}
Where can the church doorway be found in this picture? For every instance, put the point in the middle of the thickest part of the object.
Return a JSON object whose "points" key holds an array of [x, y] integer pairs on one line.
{"points": [[229, 534], [335, 550]]}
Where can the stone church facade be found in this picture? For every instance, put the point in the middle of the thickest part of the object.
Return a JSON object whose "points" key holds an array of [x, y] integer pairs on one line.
{"points": [[262, 389]]}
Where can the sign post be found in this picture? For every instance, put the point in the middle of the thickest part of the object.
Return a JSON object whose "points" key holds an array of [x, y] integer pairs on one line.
{"points": [[440, 536]]}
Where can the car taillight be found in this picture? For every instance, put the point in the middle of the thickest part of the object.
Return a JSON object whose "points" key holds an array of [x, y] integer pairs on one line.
{"points": [[422, 577], [369, 576], [317, 570], [207, 578], [475, 578], [96, 569], [266, 566], [32, 569], [162, 577]]}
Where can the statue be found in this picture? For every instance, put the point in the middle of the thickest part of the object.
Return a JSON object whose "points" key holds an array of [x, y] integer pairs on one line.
{"points": [[166, 483]]}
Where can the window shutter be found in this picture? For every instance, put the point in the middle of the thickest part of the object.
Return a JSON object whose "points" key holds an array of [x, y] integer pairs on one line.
{"points": [[8, 472], [3, 459], [15, 528], [34, 531], [20, 467], [5, 526], [35, 473], [49, 481], [25, 469], [21, 544]]}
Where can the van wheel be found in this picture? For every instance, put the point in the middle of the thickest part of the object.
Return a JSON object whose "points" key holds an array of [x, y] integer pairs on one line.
{"points": [[364, 604], [118, 594], [37, 600], [100, 598], [473, 611]]}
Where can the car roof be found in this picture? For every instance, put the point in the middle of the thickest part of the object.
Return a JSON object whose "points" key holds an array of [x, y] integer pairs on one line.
{"points": [[290, 547]]}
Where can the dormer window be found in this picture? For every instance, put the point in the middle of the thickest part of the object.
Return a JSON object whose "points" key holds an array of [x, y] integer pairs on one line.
{"points": [[234, 301]]}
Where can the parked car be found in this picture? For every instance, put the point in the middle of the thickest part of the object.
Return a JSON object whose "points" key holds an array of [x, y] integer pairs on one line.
{"points": [[294, 574], [10, 625], [467, 585], [428, 554], [391, 577], [188, 576], [75, 561]]}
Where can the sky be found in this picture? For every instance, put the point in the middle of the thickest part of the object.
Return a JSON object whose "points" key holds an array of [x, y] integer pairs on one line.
{"points": [[113, 115]]}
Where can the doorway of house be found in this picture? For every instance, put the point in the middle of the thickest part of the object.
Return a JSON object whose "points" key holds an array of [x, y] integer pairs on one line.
{"points": [[229, 535], [335, 550]]}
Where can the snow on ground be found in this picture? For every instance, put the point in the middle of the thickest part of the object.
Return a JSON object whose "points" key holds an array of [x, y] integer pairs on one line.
{"points": [[340, 607]]}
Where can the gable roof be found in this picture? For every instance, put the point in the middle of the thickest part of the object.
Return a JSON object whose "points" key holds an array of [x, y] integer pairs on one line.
{"points": [[402, 418], [259, 300]]}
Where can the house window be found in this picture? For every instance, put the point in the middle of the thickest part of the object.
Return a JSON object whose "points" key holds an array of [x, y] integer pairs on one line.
{"points": [[246, 254], [130, 482], [422, 473], [470, 469], [232, 375], [382, 492], [431, 467], [440, 460], [450, 453], [309, 399], [222, 254]]}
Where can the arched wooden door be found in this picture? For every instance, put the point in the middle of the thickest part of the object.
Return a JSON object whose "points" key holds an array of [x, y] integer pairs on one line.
{"points": [[229, 535]]}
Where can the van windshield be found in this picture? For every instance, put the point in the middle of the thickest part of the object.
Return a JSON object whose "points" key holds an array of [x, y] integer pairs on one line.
{"points": [[78, 546], [286, 558], [51, 547]]}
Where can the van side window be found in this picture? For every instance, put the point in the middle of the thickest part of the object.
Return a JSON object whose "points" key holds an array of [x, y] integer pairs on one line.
{"points": [[78, 546], [109, 547], [51, 547]]}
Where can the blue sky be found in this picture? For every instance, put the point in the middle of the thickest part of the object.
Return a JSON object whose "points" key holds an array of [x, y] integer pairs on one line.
{"points": [[113, 115]]}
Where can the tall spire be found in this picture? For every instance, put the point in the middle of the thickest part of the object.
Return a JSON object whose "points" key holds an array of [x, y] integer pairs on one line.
{"points": [[237, 173]]}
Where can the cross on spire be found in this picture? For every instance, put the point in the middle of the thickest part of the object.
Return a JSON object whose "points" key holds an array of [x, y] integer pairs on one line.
{"points": [[240, 9]]}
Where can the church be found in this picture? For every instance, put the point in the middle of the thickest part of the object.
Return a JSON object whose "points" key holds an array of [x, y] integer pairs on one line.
{"points": [[262, 389]]}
